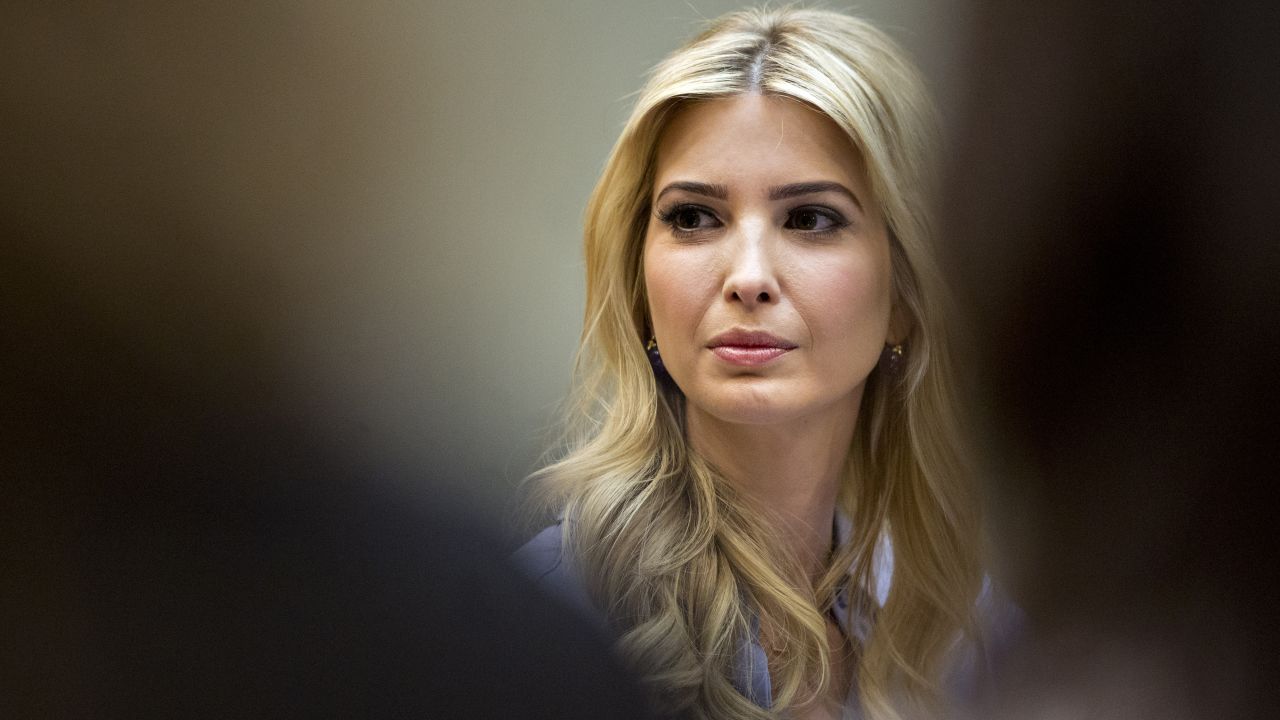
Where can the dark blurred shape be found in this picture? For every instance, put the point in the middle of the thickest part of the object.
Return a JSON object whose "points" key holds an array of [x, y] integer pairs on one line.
{"points": [[205, 561], [180, 534], [1112, 216]]}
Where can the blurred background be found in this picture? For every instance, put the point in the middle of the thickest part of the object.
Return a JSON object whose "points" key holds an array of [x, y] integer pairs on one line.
{"points": [[392, 191], [336, 237]]}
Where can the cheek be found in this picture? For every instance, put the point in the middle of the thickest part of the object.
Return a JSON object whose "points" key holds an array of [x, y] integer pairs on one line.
{"points": [[676, 285], [849, 306]]}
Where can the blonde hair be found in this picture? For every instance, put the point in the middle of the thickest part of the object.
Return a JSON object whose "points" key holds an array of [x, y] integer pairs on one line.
{"points": [[681, 564]]}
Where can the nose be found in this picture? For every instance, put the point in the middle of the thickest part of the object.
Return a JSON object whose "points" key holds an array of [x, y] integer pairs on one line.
{"points": [[751, 279]]}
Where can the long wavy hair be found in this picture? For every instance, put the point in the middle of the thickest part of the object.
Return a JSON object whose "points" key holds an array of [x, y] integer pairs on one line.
{"points": [[681, 563]]}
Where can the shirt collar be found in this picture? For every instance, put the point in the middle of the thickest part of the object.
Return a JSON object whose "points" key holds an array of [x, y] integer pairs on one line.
{"points": [[881, 557]]}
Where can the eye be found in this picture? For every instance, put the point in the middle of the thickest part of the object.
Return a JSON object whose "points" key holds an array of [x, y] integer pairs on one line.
{"points": [[689, 218], [815, 220]]}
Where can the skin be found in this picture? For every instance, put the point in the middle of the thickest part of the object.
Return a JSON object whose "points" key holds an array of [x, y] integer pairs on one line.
{"points": [[812, 269]]}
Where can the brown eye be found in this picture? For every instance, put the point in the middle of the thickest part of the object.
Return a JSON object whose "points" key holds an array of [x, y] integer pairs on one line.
{"points": [[688, 219], [805, 220], [815, 220]]}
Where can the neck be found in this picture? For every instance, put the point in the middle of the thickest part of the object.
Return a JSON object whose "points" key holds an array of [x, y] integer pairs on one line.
{"points": [[792, 470]]}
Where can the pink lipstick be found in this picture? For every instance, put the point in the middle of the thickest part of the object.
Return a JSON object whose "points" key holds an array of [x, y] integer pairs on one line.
{"points": [[749, 347]]}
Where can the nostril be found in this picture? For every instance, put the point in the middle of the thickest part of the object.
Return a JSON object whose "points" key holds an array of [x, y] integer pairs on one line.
{"points": [[761, 297]]}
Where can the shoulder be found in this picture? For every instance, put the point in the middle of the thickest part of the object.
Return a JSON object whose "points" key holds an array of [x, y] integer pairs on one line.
{"points": [[1002, 620], [547, 561], [979, 661], [542, 555], [1002, 624]]}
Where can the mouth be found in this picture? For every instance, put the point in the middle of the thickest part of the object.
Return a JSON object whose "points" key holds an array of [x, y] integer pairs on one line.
{"points": [[749, 347]]}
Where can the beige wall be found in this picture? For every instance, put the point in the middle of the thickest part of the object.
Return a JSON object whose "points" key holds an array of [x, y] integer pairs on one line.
{"points": [[392, 190]]}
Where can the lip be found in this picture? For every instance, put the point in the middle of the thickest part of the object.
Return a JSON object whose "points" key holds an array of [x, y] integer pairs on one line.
{"points": [[749, 347]]}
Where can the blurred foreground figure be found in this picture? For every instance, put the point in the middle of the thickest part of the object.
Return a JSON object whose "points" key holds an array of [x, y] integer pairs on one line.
{"points": [[170, 554], [173, 548], [181, 536], [1113, 212]]}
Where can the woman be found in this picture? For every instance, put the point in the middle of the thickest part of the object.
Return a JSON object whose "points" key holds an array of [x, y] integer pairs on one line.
{"points": [[765, 493]]}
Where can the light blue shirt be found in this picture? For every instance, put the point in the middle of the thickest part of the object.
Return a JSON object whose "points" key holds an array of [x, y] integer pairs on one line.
{"points": [[546, 561]]}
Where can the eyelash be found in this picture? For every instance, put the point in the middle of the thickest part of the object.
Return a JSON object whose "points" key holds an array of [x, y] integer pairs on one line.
{"points": [[668, 218], [838, 221]]}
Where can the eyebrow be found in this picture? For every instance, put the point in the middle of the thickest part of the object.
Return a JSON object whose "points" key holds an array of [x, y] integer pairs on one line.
{"points": [[781, 192], [719, 192], [784, 192]]}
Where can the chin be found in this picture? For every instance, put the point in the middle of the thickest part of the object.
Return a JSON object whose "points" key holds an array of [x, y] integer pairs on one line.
{"points": [[754, 401], [770, 401]]}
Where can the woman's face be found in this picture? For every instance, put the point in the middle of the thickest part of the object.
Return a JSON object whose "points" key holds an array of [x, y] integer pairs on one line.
{"points": [[766, 262]]}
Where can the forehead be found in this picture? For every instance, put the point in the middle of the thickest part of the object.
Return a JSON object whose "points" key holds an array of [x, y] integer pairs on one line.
{"points": [[753, 137]]}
